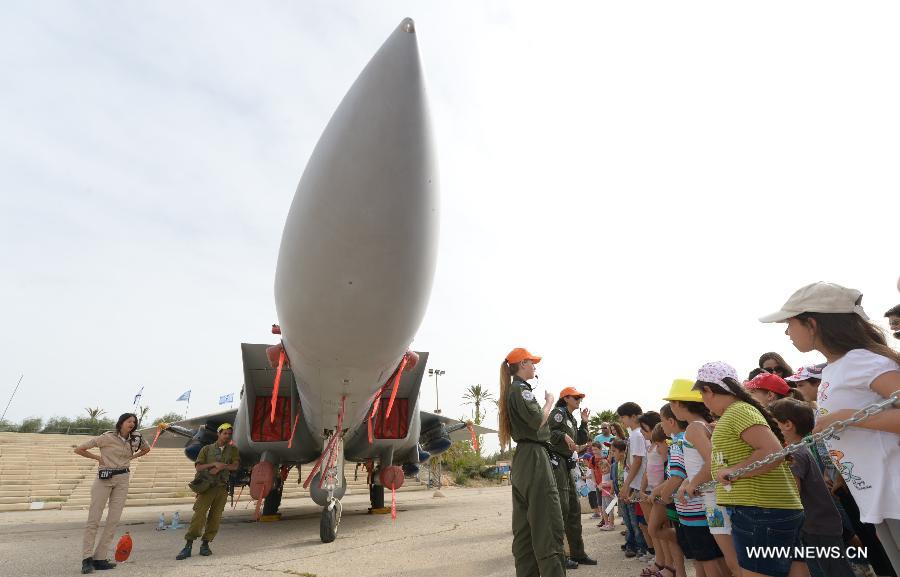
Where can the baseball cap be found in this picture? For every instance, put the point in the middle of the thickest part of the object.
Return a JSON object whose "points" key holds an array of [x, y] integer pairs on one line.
{"points": [[806, 373], [768, 382], [518, 355], [682, 390], [819, 297], [223, 427], [570, 392], [716, 372]]}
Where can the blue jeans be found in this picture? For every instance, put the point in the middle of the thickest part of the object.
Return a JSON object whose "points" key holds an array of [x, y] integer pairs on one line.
{"points": [[634, 539], [757, 527]]}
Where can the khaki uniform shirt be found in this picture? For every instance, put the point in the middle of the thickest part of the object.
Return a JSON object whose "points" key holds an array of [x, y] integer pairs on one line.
{"points": [[115, 451], [562, 423], [525, 414], [212, 453]]}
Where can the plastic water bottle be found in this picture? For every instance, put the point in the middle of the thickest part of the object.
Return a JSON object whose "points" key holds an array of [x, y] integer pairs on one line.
{"points": [[176, 521], [162, 522]]}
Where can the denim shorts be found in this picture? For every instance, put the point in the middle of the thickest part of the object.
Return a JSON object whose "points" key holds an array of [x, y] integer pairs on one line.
{"points": [[758, 527]]}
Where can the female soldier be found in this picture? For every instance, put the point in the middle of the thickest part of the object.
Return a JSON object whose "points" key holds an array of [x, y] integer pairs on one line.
{"points": [[537, 519], [567, 437], [117, 449]]}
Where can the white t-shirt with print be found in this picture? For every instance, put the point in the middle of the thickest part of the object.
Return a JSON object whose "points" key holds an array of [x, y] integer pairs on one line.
{"points": [[868, 460], [637, 447]]}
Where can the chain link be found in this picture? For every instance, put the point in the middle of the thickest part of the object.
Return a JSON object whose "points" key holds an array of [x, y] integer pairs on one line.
{"points": [[827, 433]]}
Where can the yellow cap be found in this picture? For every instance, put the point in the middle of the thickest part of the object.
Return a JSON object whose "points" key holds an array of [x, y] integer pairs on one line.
{"points": [[223, 426], [682, 390]]}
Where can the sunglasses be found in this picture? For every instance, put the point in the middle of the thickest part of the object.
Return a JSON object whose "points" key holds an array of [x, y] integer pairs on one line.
{"points": [[773, 370]]}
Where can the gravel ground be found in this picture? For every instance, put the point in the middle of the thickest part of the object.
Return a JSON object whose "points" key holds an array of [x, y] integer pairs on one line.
{"points": [[466, 533]]}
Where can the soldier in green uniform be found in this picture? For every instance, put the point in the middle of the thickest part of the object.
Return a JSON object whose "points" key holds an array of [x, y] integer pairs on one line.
{"points": [[536, 519], [566, 438], [214, 464]]}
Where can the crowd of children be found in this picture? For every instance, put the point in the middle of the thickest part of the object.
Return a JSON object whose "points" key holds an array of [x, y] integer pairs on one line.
{"points": [[811, 509]]}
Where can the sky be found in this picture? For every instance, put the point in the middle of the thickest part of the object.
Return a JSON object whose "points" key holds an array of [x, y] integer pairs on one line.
{"points": [[626, 187]]}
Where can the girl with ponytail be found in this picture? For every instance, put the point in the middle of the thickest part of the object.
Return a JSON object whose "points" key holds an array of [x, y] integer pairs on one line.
{"points": [[537, 521], [764, 504], [862, 369]]}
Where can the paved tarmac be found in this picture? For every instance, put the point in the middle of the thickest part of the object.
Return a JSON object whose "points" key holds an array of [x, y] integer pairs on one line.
{"points": [[466, 533]]}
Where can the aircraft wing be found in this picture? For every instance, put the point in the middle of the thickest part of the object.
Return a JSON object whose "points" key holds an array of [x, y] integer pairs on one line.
{"points": [[168, 440], [430, 420]]}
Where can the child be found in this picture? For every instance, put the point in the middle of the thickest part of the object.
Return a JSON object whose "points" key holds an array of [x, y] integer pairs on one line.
{"points": [[606, 495], [637, 453], [688, 406], [657, 456], [764, 504], [823, 526], [767, 388], [861, 370], [807, 381], [634, 541]]}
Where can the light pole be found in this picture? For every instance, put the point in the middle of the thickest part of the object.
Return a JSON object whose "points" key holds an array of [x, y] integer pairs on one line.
{"points": [[436, 373]]}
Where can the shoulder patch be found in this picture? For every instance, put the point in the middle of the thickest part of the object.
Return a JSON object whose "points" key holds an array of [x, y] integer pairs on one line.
{"points": [[558, 418], [527, 395]]}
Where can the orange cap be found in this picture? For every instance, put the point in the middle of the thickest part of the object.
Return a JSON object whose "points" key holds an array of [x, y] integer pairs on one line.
{"points": [[519, 355], [570, 392]]}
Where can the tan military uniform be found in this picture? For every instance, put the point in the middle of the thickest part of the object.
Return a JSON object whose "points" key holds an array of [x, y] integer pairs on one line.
{"points": [[115, 453], [210, 504]]}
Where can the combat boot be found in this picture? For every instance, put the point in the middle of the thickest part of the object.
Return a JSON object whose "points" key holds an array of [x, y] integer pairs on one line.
{"points": [[103, 564], [87, 565], [204, 549], [186, 552]]}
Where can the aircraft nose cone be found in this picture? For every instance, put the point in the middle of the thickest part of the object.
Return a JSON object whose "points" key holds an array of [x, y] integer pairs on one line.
{"points": [[359, 246]]}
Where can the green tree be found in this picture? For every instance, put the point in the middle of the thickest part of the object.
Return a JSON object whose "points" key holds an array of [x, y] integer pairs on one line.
{"points": [[168, 418], [31, 425], [604, 416]]}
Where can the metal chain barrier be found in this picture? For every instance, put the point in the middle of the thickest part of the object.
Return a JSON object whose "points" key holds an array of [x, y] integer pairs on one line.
{"points": [[827, 433]]}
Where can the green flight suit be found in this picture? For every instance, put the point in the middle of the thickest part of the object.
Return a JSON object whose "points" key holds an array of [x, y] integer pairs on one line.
{"points": [[210, 504], [536, 519], [562, 423]]}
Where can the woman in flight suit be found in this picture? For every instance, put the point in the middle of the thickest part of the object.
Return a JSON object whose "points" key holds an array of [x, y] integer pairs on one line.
{"points": [[537, 518], [566, 438]]}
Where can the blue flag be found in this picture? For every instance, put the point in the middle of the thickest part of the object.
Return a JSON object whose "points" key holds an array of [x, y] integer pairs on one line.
{"points": [[226, 399], [184, 397]]}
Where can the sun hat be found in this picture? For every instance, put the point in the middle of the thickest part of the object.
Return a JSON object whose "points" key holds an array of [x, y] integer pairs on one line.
{"points": [[806, 373], [716, 372], [819, 297], [518, 355], [768, 382], [682, 390], [223, 427]]}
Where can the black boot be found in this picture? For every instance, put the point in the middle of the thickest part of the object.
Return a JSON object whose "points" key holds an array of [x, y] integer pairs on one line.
{"points": [[204, 549], [186, 552], [87, 565], [103, 564], [584, 560], [570, 564]]}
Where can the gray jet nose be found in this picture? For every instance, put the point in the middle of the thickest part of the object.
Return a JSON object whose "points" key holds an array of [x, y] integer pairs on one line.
{"points": [[357, 255]]}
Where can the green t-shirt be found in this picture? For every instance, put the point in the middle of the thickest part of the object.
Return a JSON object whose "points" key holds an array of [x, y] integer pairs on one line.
{"points": [[773, 490], [212, 453]]}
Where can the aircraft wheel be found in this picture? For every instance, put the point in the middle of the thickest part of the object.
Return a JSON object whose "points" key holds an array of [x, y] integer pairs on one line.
{"points": [[273, 500], [328, 524]]}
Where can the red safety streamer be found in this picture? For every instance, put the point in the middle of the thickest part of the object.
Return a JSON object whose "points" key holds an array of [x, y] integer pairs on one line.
{"points": [[159, 430], [294, 428], [241, 492], [474, 437], [277, 382], [393, 503], [396, 385]]}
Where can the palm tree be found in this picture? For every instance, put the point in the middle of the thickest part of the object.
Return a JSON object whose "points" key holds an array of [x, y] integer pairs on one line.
{"points": [[605, 416], [142, 412], [95, 413], [476, 395]]}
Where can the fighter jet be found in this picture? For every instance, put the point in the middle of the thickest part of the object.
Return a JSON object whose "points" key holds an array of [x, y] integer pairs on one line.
{"points": [[353, 279]]}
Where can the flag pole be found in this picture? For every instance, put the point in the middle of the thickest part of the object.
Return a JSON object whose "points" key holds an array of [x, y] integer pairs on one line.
{"points": [[12, 395]]}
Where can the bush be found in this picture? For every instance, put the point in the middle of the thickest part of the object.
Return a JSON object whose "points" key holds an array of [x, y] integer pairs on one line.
{"points": [[31, 425], [168, 418]]}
